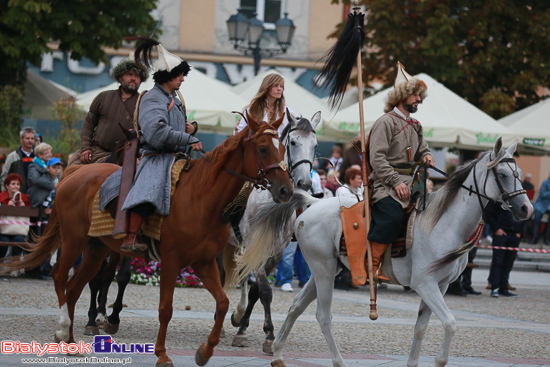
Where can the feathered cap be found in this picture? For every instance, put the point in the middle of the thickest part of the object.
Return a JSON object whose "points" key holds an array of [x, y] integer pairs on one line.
{"points": [[404, 86], [168, 65], [127, 65]]}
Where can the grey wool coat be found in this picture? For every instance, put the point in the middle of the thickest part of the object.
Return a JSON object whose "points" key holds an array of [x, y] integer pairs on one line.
{"points": [[162, 133], [40, 184], [390, 138]]}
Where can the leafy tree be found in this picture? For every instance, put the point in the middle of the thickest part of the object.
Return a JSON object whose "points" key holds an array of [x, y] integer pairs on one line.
{"points": [[80, 26], [11, 109], [494, 53], [68, 113]]}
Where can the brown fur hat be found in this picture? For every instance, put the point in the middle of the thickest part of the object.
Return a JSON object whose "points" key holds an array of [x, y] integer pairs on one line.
{"points": [[404, 86]]}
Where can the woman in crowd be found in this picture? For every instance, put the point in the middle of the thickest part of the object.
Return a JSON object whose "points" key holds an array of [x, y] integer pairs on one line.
{"points": [[269, 103], [354, 185], [13, 232]]}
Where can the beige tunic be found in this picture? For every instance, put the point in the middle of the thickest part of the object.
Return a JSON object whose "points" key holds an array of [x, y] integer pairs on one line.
{"points": [[390, 137]]}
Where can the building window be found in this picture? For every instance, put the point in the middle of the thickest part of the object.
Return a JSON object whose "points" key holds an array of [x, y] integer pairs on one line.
{"points": [[268, 11]]}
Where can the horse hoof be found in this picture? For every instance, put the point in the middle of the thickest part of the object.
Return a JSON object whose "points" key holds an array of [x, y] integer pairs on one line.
{"points": [[165, 364], [234, 322], [266, 347], [278, 363], [199, 358], [240, 341], [91, 330], [110, 328]]}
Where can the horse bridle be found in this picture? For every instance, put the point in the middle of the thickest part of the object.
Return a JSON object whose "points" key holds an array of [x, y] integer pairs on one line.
{"points": [[292, 166], [504, 195], [261, 183]]}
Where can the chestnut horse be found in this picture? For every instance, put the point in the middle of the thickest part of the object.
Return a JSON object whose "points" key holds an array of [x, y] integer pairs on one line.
{"points": [[193, 234]]}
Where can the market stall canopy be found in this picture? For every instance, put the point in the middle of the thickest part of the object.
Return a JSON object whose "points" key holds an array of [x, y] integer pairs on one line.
{"points": [[41, 94], [532, 126], [303, 102], [447, 119], [208, 101]]}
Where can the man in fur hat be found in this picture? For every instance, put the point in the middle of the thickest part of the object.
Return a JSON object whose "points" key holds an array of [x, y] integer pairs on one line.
{"points": [[164, 130], [396, 143], [100, 131]]}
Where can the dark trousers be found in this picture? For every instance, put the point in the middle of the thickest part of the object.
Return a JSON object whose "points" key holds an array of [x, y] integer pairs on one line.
{"points": [[466, 281], [503, 261], [387, 217]]}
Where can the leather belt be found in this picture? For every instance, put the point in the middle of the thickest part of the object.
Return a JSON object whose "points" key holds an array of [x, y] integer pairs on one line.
{"points": [[404, 171]]}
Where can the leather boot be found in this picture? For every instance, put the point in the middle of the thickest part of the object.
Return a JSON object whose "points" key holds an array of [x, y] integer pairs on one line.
{"points": [[378, 250], [130, 244]]}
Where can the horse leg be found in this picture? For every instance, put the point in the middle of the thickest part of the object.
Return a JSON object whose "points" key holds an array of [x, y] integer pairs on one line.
{"points": [[240, 340], [92, 259], [210, 277], [299, 305], [432, 296], [422, 321], [107, 276], [123, 278], [94, 284], [266, 297]]}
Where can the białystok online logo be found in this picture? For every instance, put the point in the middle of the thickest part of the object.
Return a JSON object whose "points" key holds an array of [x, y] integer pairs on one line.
{"points": [[101, 344]]}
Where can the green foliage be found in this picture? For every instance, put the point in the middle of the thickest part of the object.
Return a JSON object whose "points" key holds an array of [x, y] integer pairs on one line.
{"points": [[80, 26], [11, 110], [68, 113], [494, 53]]}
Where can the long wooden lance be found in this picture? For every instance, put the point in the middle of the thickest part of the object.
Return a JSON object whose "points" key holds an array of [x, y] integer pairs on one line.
{"points": [[335, 75], [373, 315]]}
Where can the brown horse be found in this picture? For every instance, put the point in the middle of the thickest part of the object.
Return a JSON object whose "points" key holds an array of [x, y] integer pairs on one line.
{"points": [[193, 234]]}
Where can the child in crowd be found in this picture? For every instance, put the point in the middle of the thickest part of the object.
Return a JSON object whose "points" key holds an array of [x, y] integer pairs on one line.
{"points": [[54, 167]]}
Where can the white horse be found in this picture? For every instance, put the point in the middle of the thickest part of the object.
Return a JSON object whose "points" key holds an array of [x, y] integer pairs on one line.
{"points": [[300, 142], [436, 258]]}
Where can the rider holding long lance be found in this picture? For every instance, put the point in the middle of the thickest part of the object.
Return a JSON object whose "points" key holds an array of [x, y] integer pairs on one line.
{"points": [[396, 142]]}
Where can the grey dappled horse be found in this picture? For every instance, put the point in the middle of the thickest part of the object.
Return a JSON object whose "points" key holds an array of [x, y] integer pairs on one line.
{"points": [[437, 257], [300, 142]]}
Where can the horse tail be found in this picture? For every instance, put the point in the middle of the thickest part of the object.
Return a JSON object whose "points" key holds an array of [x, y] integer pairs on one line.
{"points": [[266, 228], [44, 248], [452, 256]]}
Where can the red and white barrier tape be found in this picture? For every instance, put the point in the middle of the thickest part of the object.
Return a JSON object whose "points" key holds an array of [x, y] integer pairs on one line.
{"points": [[537, 250], [38, 223]]}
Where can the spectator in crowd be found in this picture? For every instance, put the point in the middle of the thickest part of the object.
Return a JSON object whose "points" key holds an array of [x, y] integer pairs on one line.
{"points": [[352, 155], [506, 233], [100, 131], [335, 160], [353, 186], [542, 206], [19, 160], [40, 180], [323, 178], [528, 186], [332, 184], [38, 139], [12, 196], [292, 259]]}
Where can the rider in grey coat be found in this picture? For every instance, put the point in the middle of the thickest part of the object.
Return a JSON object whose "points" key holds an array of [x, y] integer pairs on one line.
{"points": [[164, 130]]}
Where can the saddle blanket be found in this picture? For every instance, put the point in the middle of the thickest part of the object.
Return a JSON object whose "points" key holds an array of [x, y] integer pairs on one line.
{"points": [[102, 223]]}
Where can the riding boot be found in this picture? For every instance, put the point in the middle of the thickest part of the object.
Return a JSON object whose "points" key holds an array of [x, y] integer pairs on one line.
{"points": [[129, 244], [378, 250]]}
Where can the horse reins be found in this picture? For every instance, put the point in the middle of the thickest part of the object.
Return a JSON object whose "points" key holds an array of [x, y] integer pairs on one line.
{"points": [[261, 183]]}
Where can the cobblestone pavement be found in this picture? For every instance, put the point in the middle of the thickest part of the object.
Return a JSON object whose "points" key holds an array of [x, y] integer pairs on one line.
{"points": [[491, 332]]}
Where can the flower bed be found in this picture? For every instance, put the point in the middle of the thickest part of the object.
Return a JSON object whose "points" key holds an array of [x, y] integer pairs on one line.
{"points": [[149, 274]]}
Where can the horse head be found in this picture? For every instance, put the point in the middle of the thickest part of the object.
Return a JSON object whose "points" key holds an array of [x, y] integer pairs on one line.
{"points": [[264, 159], [505, 187], [300, 142]]}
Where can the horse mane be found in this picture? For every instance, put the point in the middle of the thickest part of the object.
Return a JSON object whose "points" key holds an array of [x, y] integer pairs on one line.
{"points": [[439, 201], [303, 125]]}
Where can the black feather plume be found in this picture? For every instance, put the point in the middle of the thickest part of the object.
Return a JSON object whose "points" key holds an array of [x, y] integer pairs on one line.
{"points": [[143, 52], [341, 58]]}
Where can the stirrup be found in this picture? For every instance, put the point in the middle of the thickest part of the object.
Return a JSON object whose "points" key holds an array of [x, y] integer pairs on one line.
{"points": [[135, 247]]}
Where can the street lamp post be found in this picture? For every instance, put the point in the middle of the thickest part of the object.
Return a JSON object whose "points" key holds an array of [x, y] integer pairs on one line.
{"points": [[241, 28]]}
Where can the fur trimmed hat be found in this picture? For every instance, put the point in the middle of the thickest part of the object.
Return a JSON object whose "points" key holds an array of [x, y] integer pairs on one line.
{"points": [[168, 65], [404, 86], [127, 65]]}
